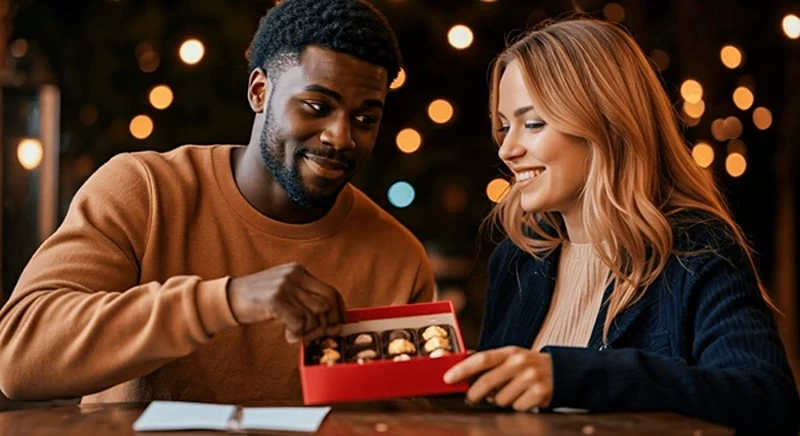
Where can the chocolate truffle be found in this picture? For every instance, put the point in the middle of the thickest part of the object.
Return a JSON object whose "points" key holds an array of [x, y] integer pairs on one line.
{"points": [[439, 352], [369, 353], [436, 343], [326, 343], [330, 356], [401, 346], [401, 357], [434, 331], [363, 339], [400, 334]]}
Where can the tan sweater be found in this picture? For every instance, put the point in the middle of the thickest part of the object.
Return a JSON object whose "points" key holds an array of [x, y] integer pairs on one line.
{"points": [[129, 295], [577, 297]]}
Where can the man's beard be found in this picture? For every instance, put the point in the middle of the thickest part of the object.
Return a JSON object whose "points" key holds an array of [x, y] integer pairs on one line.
{"points": [[288, 177]]}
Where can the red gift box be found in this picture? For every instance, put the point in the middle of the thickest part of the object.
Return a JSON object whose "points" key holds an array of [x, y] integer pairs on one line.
{"points": [[384, 379]]}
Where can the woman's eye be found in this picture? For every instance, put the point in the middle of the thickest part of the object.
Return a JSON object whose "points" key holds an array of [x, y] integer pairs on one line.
{"points": [[534, 125]]}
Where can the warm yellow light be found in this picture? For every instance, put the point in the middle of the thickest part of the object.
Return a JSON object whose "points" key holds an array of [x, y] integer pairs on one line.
{"points": [[718, 129], [191, 51], [660, 58], [703, 154], [614, 12], [161, 96], [460, 36], [408, 140], [399, 81], [29, 153], [141, 126], [496, 190], [737, 146], [731, 56], [689, 121], [147, 56], [762, 118], [732, 128], [694, 110], [743, 98], [440, 111], [735, 164], [19, 48], [692, 91], [791, 26], [149, 61]]}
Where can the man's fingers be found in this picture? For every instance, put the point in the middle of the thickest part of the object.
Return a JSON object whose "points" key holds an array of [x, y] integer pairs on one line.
{"points": [[342, 308], [336, 315], [311, 302], [318, 332], [291, 337], [334, 303], [293, 316], [334, 330], [328, 293]]}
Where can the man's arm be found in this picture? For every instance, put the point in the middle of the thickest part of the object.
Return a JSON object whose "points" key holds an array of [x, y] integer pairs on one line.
{"points": [[424, 284], [78, 321]]}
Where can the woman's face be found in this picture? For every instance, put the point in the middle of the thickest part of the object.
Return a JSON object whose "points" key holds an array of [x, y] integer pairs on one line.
{"points": [[550, 167]]}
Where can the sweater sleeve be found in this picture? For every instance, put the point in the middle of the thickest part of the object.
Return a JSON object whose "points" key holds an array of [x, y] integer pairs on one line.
{"points": [[79, 321], [424, 284], [737, 374]]}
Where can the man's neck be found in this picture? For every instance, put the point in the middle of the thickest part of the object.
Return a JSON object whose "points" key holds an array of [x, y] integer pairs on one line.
{"points": [[264, 193]]}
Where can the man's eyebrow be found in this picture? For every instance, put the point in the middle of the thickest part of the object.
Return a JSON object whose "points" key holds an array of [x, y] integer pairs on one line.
{"points": [[323, 90], [370, 103]]}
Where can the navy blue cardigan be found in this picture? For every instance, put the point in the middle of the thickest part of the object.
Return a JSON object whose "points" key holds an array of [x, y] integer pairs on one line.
{"points": [[701, 342]]}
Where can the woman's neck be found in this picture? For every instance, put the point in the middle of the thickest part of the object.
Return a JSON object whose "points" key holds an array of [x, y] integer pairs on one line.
{"points": [[576, 231]]}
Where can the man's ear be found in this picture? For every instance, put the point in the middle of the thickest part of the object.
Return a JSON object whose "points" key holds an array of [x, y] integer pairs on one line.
{"points": [[258, 89]]}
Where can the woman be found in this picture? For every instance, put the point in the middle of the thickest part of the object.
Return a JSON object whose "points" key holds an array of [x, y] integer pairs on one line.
{"points": [[624, 283]]}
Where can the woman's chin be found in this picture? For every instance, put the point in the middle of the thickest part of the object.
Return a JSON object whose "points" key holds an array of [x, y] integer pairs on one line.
{"points": [[531, 205]]}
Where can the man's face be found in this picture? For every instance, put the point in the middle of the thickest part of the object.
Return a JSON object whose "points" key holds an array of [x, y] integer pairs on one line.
{"points": [[321, 123]]}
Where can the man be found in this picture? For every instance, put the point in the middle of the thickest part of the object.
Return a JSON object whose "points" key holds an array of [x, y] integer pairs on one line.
{"points": [[191, 275]]}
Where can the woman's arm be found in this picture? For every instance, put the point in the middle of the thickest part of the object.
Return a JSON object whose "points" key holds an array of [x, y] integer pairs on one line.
{"points": [[739, 375]]}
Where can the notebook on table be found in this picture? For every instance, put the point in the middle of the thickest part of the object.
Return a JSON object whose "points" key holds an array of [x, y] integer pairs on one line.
{"points": [[178, 415]]}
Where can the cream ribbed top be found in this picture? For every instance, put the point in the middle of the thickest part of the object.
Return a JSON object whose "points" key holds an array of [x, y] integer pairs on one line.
{"points": [[577, 297]]}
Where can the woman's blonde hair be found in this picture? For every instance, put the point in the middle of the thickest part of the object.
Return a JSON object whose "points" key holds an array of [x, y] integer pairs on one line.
{"points": [[589, 79]]}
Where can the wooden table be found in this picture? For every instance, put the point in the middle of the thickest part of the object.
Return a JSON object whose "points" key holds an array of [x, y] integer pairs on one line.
{"points": [[417, 417]]}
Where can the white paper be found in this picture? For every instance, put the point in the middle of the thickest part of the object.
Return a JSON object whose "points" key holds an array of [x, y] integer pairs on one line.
{"points": [[569, 410], [175, 415], [306, 419]]}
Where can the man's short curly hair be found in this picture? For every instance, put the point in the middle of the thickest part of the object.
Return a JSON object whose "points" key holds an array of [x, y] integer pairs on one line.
{"points": [[353, 27]]}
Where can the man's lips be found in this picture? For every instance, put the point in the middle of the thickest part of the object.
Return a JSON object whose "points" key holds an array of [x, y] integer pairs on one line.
{"points": [[328, 163], [325, 167]]}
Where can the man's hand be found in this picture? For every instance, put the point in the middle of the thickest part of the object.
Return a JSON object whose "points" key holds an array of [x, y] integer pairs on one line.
{"points": [[307, 306]]}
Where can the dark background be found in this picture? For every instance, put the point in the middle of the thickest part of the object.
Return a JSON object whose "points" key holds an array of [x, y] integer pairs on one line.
{"points": [[90, 49]]}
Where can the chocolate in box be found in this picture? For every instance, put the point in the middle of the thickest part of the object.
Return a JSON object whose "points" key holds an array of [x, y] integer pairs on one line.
{"points": [[360, 379]]}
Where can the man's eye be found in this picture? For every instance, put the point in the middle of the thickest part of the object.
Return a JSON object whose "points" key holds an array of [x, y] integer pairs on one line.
{"points": [[316, 107], [366, 120]]}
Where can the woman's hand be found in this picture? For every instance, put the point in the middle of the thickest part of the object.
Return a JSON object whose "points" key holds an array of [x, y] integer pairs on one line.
{"points": [[518, 377]]}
